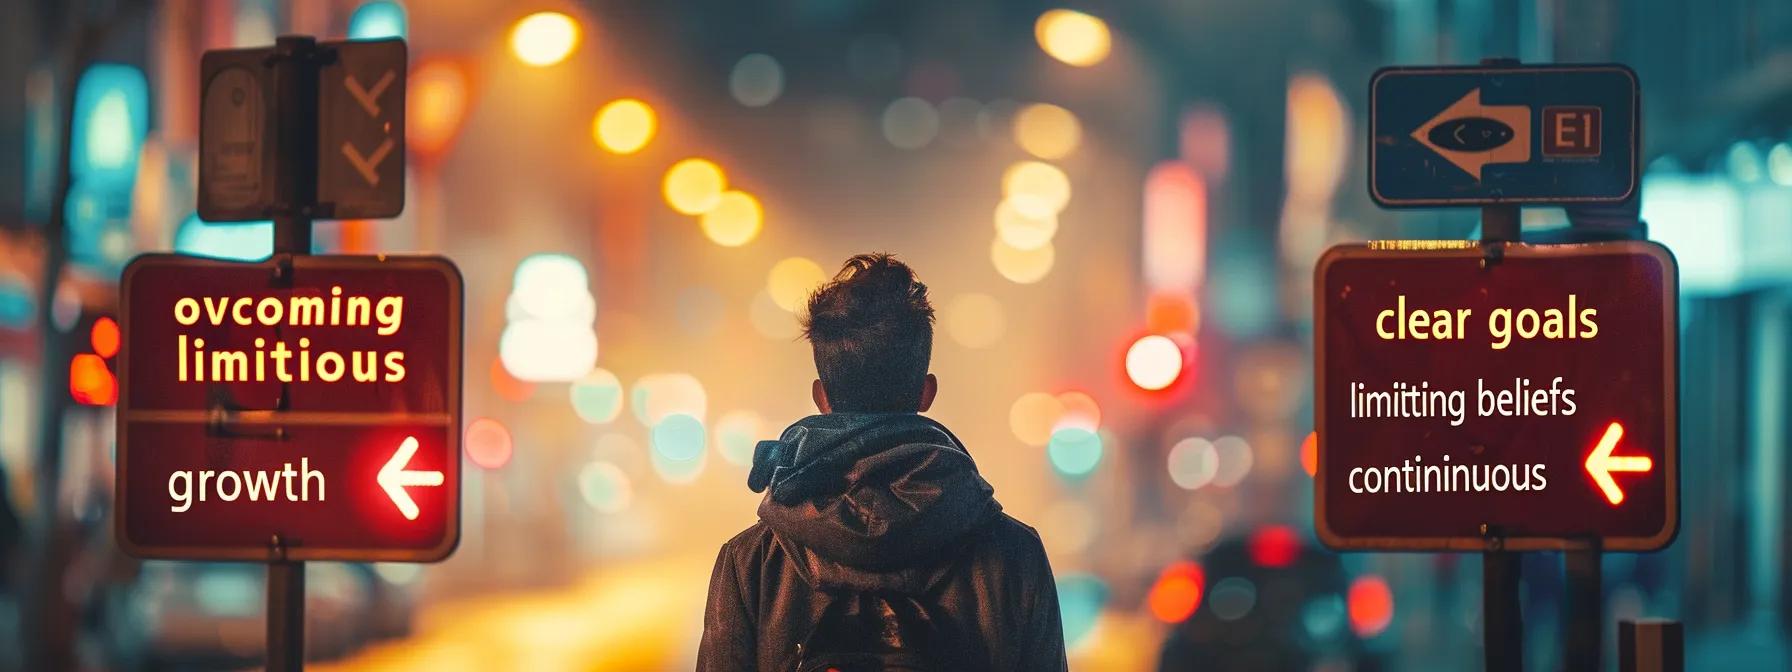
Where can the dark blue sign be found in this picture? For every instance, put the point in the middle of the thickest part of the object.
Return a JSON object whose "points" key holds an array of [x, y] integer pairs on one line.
{"points": [[1503, 134]]}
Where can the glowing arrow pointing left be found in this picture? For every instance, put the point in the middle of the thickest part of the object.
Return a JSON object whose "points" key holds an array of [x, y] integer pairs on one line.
{"points": [[394, 478], [1601, 463]]}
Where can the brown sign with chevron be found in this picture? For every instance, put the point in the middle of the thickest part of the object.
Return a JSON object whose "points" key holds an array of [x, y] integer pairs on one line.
{"points": [[359, 130]]}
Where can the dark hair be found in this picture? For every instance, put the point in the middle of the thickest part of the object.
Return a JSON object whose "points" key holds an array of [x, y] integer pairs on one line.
{"points": [[872, 329]]}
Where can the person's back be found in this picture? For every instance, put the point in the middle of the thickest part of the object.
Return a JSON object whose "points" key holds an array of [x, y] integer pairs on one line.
{"points": [[878, 545]]}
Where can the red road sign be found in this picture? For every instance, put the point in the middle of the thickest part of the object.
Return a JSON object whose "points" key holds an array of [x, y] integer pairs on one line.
{"points": [[313, 399], [1531, 397]]}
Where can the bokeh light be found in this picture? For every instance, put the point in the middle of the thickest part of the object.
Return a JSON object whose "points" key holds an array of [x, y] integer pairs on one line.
{"points": [[104, 337], [1153, 362], [377, 19], [249, 241], [1371, 605], [605, 487], [975, 320], [1318, 138], [1309, 453], [1274, 546], [437, 97], [1173, 244], [910, 123], [1022, 266], [657, 396], [624, 126], [694, 186], [735, 220], [679, 437], [488, 443], [111, 120], [1779, 164], [90, 382], [1744, 161], [550, 335], [1177, 592], [736, 433], [1032, 417], [1081, 597], [1074, 451], [756, 80], [1193, 463], [1047, 131], [1035, 188], [509, 387], [544, 38], [1235, 460], [1080, 410], [1073, 37], [792, 280], [1232, 598], [1172, 312], [551, 287], [678, 472], [1021, 231], [597, 397]]}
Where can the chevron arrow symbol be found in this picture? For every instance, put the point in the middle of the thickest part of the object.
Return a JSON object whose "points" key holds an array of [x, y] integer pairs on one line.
{"points": [[368, 165], [368, 98]]}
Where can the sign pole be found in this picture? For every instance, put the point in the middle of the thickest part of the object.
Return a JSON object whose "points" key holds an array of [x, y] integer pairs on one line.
{"points": [[1582, 613], [295, 65], [1502, 624]]}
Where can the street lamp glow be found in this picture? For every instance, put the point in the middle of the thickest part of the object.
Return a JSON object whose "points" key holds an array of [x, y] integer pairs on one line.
{"points": [[624, 126], [792, 280], [1047, 131], [1073, 37], [694, 186], [1023, 232], [544, 38], [1153, 362], [735, 220], [1022, 266], [1035, 188]]}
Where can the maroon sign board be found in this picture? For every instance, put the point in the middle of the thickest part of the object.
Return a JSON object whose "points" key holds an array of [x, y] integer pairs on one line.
{"points": [[1518, 393], [302, 408]]}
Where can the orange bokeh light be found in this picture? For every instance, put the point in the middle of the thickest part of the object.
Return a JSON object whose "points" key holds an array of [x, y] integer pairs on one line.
{"points": [[441, 90], [1371, 605], [90, 382], [1309, 453], [105, 337], [1172, 312], [1177, 592], [509, 387], [488, 443]]}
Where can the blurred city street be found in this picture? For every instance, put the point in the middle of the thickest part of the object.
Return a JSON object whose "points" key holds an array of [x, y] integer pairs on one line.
{"points": [[584, 235]]}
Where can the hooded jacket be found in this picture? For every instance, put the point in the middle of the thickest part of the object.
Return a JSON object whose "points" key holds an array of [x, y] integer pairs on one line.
{"points": [[885, 503]]}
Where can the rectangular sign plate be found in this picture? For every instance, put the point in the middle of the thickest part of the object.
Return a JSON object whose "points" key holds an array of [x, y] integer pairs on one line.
{"points": [[360, 129], [312, 399], [360, 117], [1530, 399], [1503, 134]]}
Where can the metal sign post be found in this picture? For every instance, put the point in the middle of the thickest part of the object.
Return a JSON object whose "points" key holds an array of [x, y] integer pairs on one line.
{"points": [[1494, 396], [249, 390], [295, 193], [1502, 571]]}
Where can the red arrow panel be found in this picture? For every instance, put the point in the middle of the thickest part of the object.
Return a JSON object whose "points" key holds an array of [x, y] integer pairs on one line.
{"points": [[1456, 395], [194, 493], [260, 400]]}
